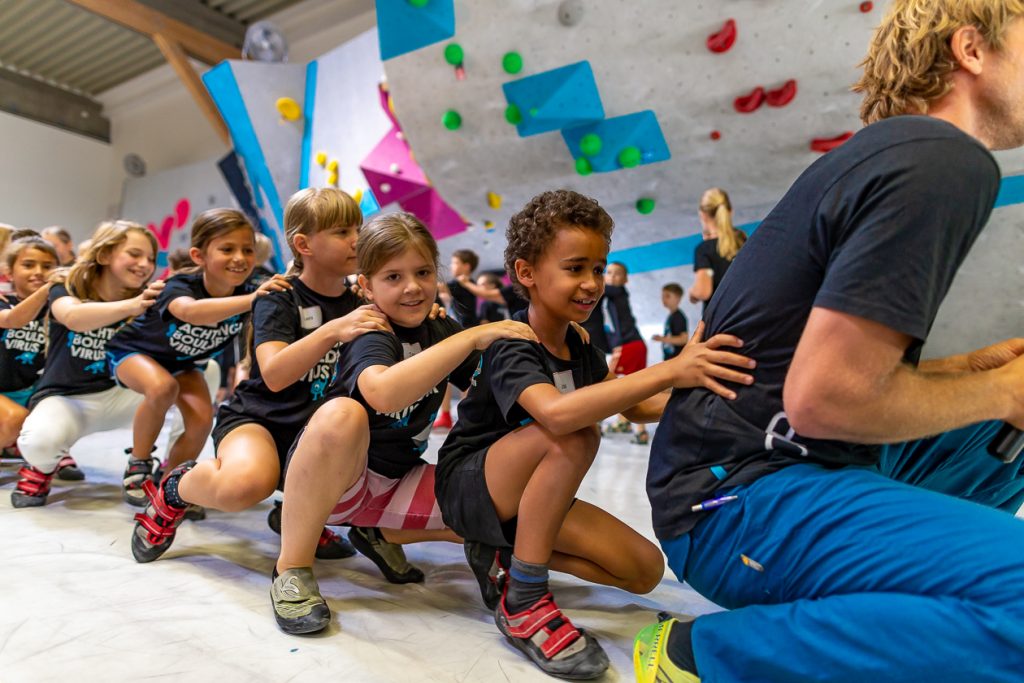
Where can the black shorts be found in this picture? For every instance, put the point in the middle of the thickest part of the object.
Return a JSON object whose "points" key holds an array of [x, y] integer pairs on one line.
{"points": [[283, 435], [467, 508]]}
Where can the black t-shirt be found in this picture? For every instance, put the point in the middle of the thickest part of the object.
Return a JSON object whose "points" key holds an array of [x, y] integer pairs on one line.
{"points": [[675, 324], [618, 316], [594, 325], [288, 316], [464, 304], [508, 367], [398, 439], [874, 229], [76, 362], [706, 256], [166, 339], [492, 312], [22, 350], [513, 302]]}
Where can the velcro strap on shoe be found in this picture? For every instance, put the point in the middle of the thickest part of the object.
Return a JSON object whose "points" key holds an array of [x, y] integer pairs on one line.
{"points": [[33, 482], [558, 639], [327, 537], [542, 612], [171, 515], [137, 466]]}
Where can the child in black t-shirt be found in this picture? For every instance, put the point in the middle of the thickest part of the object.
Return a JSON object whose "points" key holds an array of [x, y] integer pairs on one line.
{"points": [[23, 341], [358, 460], [76, 395], [462, 303], [161, 353], [676, 331], [491, 311], [294, 345], [628, 350], [527, 433]]}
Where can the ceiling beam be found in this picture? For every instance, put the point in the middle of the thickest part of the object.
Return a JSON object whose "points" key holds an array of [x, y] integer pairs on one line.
{"points": [[200, 16], [51, 105], [143, 19], [175, 55]]}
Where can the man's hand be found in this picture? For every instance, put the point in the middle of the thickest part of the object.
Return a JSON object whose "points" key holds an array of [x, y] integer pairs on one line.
{"points": [[996, 355]]}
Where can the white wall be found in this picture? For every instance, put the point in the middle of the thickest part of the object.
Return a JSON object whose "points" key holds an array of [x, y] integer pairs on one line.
{"points": [[51, 177]]}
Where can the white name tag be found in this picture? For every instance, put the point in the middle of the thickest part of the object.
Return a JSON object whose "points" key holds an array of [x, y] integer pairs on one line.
{"points": [[563, 381], [311, 317], [410, 350]]}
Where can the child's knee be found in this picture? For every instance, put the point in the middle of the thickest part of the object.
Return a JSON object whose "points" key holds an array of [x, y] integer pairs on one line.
{"points": [[580, 446], [337, 424], [649, 569], [163, 391], [11, 419], [41, 448]]}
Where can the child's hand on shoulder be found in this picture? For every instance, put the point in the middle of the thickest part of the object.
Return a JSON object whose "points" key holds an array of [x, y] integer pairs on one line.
{"points": [[581, 331], [657, 338], [364, 319], [277, 283], [485, 335], [147, 297], [702, 363], [437, 311]]}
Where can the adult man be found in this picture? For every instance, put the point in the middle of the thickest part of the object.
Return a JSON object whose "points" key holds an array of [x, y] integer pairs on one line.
{"points": [[834, 567]]}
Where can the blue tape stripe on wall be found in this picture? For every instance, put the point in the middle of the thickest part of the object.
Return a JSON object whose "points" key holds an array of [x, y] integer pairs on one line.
{"points": [[307, 131], [220, 82], [679, 252]]}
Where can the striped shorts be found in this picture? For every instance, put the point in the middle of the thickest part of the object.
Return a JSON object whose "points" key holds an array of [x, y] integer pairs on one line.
{"points": [[377, 501]]}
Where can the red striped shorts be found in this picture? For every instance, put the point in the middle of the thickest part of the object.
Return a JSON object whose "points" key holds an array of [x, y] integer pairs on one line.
{"points": [[406, 503]]}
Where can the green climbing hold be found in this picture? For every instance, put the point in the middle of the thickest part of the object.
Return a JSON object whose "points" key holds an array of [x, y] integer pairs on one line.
{"points": [[583, 166], [453, 54], [590, 144], [629, 157], [513, 115], [419, 3], [534, 111], [645, 205], [451, 119], [512, 62]]}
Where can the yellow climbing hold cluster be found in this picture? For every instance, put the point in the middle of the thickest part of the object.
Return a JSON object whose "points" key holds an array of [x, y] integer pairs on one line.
{"points": [[289, 108]]}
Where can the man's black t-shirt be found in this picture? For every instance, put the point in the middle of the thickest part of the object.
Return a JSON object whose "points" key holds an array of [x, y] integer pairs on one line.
{"points": [[874, 229], [508, 367], [76, 362], [463, 304], [706, 256], [619, 320], [164, 338], [288, 316], [397, 440], [22, 350], [675, 324]]}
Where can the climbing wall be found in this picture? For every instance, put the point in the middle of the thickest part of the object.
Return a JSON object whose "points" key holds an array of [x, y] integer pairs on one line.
{"points": [[643, 105]]}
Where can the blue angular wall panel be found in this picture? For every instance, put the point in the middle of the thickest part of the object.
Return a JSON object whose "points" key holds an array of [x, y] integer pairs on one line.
{"points": [[403, 27], [552, 100], [639, 130]]}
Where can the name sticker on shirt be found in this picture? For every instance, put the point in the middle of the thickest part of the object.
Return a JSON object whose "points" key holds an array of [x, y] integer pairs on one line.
{"points": [[410, 350], [563, 381], [311, 317]]}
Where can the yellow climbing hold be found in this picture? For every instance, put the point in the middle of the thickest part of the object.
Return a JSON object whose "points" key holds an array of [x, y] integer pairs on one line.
{"points": [[321, 159], [332, 180], [494, 200], [289, 108], [332, 167], [358, 195]]}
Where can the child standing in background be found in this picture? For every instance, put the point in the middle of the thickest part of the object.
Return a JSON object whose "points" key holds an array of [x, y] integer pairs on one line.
{"points": [[76, 394], [160, 354], [629, 352], [676, 331], [462, 302]]}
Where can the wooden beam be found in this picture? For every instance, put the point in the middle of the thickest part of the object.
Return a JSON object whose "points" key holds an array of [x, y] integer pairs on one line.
{"points": [[145, 20], [202, 17], [39, 101], [175, 55]]}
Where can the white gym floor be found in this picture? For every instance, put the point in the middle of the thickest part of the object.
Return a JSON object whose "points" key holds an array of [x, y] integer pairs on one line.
{"points": [[74, 605]]}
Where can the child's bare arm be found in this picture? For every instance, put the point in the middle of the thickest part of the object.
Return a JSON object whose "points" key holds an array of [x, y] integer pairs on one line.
{"points": [[26, 311]]}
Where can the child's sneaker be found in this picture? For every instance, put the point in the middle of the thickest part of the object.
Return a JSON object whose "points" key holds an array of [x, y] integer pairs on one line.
{"points": [[32, 488], [549, 639], [298, 605], [641, 438], [68, 470], [331, 546], [389, 557], [155, 528], [618, 427], [195, 513], [650, 661], [490, 567], [10, 455], [136, 472]]}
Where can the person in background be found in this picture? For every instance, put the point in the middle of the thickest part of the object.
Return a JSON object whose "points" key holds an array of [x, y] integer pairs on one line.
{"points": [[178, 260], [722, 241], [629, 352], [676, 331], [491, 311], [506, 295], [462, 303], [61, 241], [264, 250]]}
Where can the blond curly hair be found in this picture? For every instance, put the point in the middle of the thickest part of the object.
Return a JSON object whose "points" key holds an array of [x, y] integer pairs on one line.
{"points": [[910, 58]]}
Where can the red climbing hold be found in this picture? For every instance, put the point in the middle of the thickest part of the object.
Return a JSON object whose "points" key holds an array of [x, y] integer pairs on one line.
{"points": [[782, 96], [751, 102], [824, 145], [715, 135], [724, 39], [866, 7]]}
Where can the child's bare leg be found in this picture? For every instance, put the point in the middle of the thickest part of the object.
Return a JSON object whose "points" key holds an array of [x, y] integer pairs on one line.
{"points": [[12, 416], [406, 536], [245, 471], [159, 391], [197, 415], [328, 459]]}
